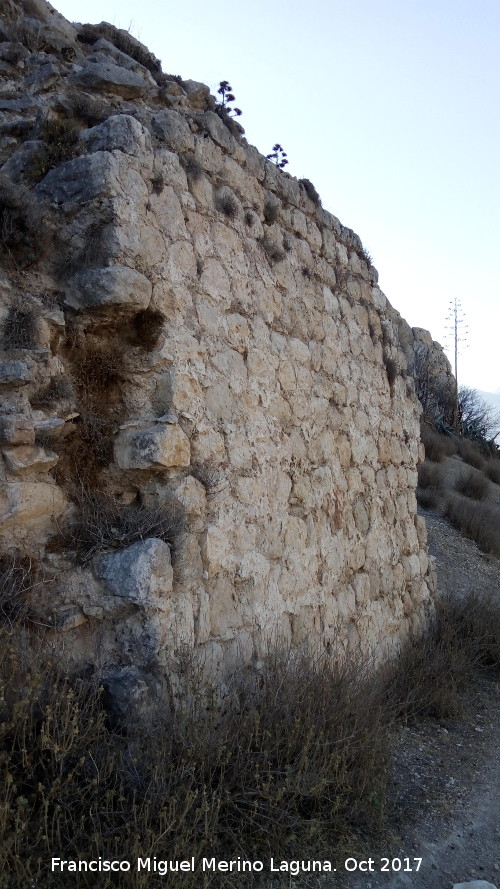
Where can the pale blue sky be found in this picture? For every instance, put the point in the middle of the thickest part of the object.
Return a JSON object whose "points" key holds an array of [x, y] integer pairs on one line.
{"points": [[390, 107]]}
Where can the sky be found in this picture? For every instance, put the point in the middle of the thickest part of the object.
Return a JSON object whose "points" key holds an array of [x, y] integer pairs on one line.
{"points": [[390, 107]]}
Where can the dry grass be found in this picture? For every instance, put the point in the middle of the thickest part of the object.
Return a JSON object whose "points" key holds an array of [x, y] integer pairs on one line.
{"points": [[429, 498], [479, 521], [295, 764], [85, 453], [430, 475], [391, 369], [434, 669], [61, 139], [492, 470], [471, 454], [301, 764], [437, 446], [473, 484], [97, 368]]}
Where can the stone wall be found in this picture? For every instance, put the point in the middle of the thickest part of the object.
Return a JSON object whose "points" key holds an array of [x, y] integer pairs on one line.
{"points": [[206, 343]]}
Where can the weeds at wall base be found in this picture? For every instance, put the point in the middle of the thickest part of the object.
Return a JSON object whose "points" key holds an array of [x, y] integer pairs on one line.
{"points": [[297, 765]]}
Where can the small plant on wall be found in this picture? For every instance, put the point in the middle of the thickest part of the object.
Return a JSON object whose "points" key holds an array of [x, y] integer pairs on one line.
{"points": [[227, 98], [278, 156]]}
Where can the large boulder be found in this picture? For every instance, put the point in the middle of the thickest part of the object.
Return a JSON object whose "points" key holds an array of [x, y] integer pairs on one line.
{"points": [[142, 573], [105, 77], [111, 286]]}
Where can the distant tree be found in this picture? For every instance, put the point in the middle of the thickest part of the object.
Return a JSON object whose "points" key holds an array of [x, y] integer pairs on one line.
{"points": [[457, 330], [479, 420], [278, 156], [438, 402], [227, 97]]}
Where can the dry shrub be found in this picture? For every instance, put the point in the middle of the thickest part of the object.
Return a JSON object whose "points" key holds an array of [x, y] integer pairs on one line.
{"points": [[473, 484], [85, 453], [311, 191], [479, 521], [295, 764], [103, 523], [157, 183], [430, 475], [20, 327], [21, 578], [227, 204], [271, 211], [97, 369], [434, 669], [90, 109], [60, 388], [302, 765], [273, 250], [437, 446], [492, 470], [23, 233], [471, 454], [192, 167]]}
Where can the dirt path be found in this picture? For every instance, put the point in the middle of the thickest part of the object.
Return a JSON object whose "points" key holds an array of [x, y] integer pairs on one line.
{"points": [[445, 792]]}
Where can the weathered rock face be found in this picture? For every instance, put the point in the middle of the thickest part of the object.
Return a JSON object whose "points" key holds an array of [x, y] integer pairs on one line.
{"points": [[202, 329]]}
